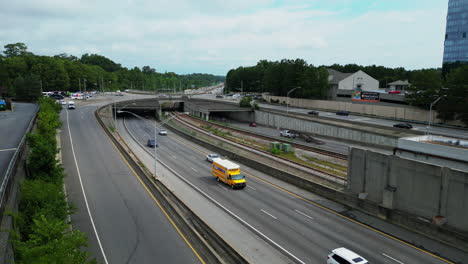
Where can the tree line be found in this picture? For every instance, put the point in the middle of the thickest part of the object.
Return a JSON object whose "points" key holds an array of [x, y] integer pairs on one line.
{"points": [[427, 85], [25, 74]]}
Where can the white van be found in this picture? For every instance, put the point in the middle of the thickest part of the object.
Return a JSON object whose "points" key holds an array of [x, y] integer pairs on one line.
{"points": [[71, 105], [345, 256]]}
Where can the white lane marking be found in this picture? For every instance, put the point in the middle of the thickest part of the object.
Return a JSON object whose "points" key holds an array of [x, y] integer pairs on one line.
{"points": [[268, 213], [310, 217], [193, 169], [174, 156], [84, 194], [225, 209], [11, 149], [222, 187], [251, 187], [396, 260]]}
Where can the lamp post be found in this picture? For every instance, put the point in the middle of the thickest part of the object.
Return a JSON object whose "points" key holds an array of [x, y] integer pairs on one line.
{"points": [[287, 99], [430, 113], [155, 133]]}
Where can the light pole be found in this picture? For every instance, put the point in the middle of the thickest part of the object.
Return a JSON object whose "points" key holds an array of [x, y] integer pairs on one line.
{"points": [[430, 113], [287, 99], [155, 132]]}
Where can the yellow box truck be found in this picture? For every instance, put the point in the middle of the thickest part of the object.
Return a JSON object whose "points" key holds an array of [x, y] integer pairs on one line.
{"points": [[228, 172]]}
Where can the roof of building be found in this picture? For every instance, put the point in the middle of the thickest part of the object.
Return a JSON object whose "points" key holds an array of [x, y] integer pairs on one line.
{"points": [[334, 76], [400, 82]]}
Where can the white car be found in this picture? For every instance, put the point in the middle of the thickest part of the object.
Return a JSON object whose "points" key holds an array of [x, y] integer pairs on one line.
{"points": [[210, 157], [63, 102], [162, 132], [288, 133], [345, 256]]}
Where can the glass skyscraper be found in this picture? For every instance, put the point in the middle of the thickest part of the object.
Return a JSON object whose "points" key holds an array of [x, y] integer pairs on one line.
{"points": [[456, 39]]}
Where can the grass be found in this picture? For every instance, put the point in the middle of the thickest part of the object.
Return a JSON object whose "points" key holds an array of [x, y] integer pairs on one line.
{"points": [[328, 164]]}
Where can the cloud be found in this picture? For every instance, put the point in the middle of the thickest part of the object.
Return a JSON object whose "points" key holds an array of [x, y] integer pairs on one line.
{"points": [[213, 36]]}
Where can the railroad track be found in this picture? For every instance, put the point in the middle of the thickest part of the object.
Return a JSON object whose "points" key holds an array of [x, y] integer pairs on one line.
{"points": [[296, 145], [326, 174]]}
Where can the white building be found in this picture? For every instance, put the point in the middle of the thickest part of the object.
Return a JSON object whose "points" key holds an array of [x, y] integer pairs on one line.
{"points": [[398, 85], [344, 83]]}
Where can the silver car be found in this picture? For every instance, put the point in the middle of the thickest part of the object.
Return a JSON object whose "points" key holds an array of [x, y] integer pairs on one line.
{"points": [[210, 157]]}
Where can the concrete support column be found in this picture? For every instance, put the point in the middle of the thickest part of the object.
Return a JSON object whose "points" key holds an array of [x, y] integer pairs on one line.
{"points": [[444, 187]]}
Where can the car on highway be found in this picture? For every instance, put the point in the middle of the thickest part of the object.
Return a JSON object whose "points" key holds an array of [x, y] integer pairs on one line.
{"points": [[119, 94], [252, 124], [288, 133], [394, 92], [63, 102], [343, 113], [210, 157], [313, 113], [345, 256], [71, 105], [152, 143], [403, 125], [163, 132], [219, 96]]}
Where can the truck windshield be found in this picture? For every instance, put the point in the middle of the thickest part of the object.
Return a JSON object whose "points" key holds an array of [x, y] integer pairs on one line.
{"points": [[238, 177]]}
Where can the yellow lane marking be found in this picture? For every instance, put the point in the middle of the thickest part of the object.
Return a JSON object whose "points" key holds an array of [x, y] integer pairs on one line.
{"points": [[159, 205], [331, 211], [10, 149]]}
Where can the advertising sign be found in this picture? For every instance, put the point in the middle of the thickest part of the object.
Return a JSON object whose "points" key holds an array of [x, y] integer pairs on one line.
{"points": [[365, 96]]}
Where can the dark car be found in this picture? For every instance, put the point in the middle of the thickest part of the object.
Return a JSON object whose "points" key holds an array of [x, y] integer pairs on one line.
{"points": [[403, 125], [343, 113], [152, 143], [313, 113], [219, 96], [253, 124], [57, 96]]}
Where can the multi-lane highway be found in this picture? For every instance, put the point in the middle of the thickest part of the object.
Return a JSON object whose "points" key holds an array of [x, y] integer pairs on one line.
{"points": [[123, 222], [301, 229]]}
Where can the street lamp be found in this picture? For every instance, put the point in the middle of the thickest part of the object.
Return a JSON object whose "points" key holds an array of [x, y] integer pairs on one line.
{"points": [[430, 113], [287, 99], [156, 128]]}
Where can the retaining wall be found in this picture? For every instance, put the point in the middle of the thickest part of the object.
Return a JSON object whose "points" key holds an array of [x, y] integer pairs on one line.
{"points": [[411, 186]]}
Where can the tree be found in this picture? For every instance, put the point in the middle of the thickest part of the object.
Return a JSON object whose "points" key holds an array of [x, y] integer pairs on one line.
{"points": [[16, 49], [425, 87], [454, 105]]}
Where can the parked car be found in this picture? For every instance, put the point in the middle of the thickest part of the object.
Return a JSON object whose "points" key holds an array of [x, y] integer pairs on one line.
{"points": [[288, 133], [63, 102], [118, 94], [394, 92], [219, 96], [345, 256], [152, 143], [252, 124], [343, 113], [403, 125], [313, 113], [210, 157], [163, 132]]}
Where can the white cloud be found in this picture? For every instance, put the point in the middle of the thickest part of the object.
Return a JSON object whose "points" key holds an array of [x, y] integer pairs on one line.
{"points": [[196, 36]]}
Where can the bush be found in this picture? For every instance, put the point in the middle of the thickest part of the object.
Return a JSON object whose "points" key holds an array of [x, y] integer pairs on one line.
{"points": [[245, 101]]}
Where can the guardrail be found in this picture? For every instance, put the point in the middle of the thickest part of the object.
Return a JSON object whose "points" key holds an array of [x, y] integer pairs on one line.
{"points": [[7, 179]]}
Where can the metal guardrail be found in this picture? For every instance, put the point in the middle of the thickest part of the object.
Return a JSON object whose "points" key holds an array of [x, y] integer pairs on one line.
{"points": [[6, 182]]}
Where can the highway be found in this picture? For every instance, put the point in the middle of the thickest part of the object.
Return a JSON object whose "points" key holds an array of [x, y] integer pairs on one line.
{"points": [[300, 228], [436, 130], [123, 222], [13, 126]]}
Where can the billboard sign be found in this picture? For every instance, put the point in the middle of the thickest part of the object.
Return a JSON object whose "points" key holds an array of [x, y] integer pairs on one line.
{"points": [[365, 96]]}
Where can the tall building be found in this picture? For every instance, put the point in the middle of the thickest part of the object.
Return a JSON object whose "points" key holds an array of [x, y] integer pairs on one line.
{"points": [[456, 39]]}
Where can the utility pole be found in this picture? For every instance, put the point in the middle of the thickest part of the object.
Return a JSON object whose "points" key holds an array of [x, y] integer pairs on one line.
{"points": [[242, 86], [79, 84]]}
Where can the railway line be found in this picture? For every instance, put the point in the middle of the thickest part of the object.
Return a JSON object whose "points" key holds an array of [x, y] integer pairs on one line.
{"points": [[318, 172]]}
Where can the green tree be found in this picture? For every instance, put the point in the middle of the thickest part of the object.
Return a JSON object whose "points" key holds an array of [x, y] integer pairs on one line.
{"points": [[16, 49], [455, 101], [425, 87]]}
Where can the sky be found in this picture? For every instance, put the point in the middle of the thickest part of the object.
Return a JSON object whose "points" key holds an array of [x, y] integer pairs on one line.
{"points": [[214, 36]]}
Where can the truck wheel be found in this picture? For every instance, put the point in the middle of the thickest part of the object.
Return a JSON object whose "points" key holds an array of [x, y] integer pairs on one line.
{"points": [[232, 186], [217, 179]]}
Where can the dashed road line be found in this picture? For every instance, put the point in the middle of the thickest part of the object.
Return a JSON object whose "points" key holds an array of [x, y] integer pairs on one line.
{"points": [[11, 149], [396, 260], [194, 169], [222, 187], [268, 213], [308, 216], [251, 187]]}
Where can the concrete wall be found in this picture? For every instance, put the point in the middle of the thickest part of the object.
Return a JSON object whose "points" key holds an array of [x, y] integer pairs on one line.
{"points": [[279, 120], [410, 186], [406, 113]]}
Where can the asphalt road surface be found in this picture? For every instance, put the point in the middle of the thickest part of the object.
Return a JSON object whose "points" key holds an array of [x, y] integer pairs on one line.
{"points": [[122, 221], [300, 228], [13, 125]]}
